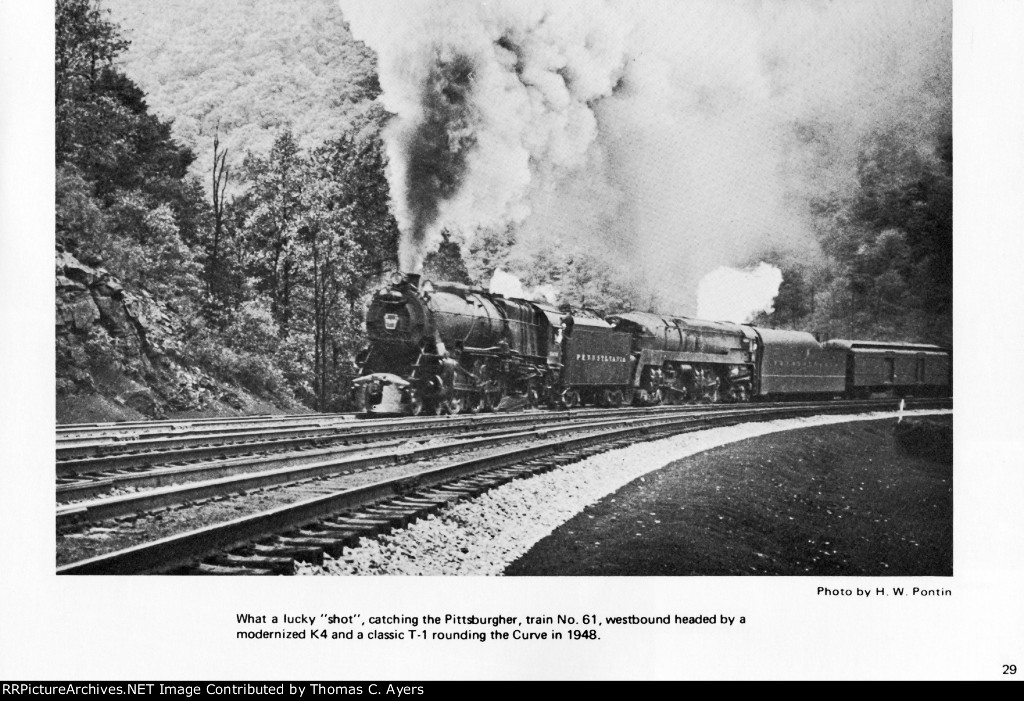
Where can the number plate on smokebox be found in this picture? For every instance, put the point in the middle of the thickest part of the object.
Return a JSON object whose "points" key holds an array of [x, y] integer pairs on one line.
{"points": [[391, 322]]}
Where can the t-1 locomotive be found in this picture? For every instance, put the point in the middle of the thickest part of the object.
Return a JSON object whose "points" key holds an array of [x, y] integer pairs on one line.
{"points": [[447, 348]]}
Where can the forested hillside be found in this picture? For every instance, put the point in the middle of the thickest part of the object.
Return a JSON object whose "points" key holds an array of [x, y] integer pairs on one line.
{"points": [[250, 68], [254, 295], [887, 272], [223, 209]]}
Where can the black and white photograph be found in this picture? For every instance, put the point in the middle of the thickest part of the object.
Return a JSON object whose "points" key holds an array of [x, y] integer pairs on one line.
{"points": [[523, 340]]}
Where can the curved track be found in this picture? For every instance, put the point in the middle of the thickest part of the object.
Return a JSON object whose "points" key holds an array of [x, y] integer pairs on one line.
{"points": [[317, 508]]}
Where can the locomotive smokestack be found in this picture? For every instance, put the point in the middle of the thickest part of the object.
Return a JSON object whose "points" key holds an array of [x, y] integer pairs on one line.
{"points": [[412, 280]]}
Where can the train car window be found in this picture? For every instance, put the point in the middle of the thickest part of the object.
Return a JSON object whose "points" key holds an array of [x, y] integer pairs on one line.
{"points": [[919, 371], [890, 369]]}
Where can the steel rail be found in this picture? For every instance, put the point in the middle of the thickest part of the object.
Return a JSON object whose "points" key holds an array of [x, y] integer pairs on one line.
{"points": [[185, 548], [121, 425], [113, 507], [93, 478], [73, 455], [142, 452]]}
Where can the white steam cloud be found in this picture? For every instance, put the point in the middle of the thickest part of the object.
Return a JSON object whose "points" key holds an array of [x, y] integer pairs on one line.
{"points": [[728, 294], [510, 286], [675, 137]]}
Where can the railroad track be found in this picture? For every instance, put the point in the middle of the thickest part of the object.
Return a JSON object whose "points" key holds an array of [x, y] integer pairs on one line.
{"points": [[112, 463], [123, 438], [217, 479], [170, 486], [150, 463], [307, 512], [118, 430], [126, 448], [157, 462]]}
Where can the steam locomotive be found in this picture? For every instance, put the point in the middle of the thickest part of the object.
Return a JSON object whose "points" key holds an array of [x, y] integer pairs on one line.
{"points": [[446, 348]]}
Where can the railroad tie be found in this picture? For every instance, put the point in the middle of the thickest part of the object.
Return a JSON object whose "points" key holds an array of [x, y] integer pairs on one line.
{"points": [[204, 569], [333, 546], [471, 489], [335, 525], [422, 506], [347, 536], [398, 516], [531, 469], [458, 490], [437, 497], [366, 522], [277, 564], [362, 528], [350, 535], [502, 475], [299, 553]]}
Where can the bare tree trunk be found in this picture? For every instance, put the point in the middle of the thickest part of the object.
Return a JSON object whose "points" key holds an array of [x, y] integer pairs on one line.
{"points": [[318, 330], [221, 173]]}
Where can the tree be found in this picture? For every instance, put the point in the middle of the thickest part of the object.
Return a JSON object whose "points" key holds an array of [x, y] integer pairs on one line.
{"points": [[347, 236], [123, 199], [359, 161], [320, 234], [889, 245], [328, 256], [144, 249], [446, 263], [905, 261], [220, 175], [103, 126], [794, 302], [85, 44], [275, 191]]}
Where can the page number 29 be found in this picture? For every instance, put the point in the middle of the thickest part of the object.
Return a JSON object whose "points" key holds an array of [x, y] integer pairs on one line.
{"points": [[1009, 669]]}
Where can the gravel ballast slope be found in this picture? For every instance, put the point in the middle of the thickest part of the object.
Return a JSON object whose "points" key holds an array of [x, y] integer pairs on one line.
{"points": [[485, 535]]}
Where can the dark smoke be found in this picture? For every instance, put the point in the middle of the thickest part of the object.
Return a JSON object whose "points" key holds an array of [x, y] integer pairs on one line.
{"points": [[440, 146]]}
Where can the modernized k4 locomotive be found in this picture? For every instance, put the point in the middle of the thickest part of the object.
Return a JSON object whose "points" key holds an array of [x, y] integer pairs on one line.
{"points": [[446, 348]]}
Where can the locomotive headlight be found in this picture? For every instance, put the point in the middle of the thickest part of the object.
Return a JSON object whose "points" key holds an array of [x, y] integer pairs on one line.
{"points": [[391, 322]]}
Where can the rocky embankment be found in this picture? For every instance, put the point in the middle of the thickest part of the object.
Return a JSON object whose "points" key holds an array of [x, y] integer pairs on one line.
{"points": [[119, 355]]}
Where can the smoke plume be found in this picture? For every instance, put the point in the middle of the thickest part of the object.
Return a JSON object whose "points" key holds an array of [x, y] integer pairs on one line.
{"points": [[676, 137], [437, 148]]}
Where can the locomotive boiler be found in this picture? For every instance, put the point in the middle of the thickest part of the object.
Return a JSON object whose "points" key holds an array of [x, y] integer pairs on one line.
{"points": [[446, 348]]}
